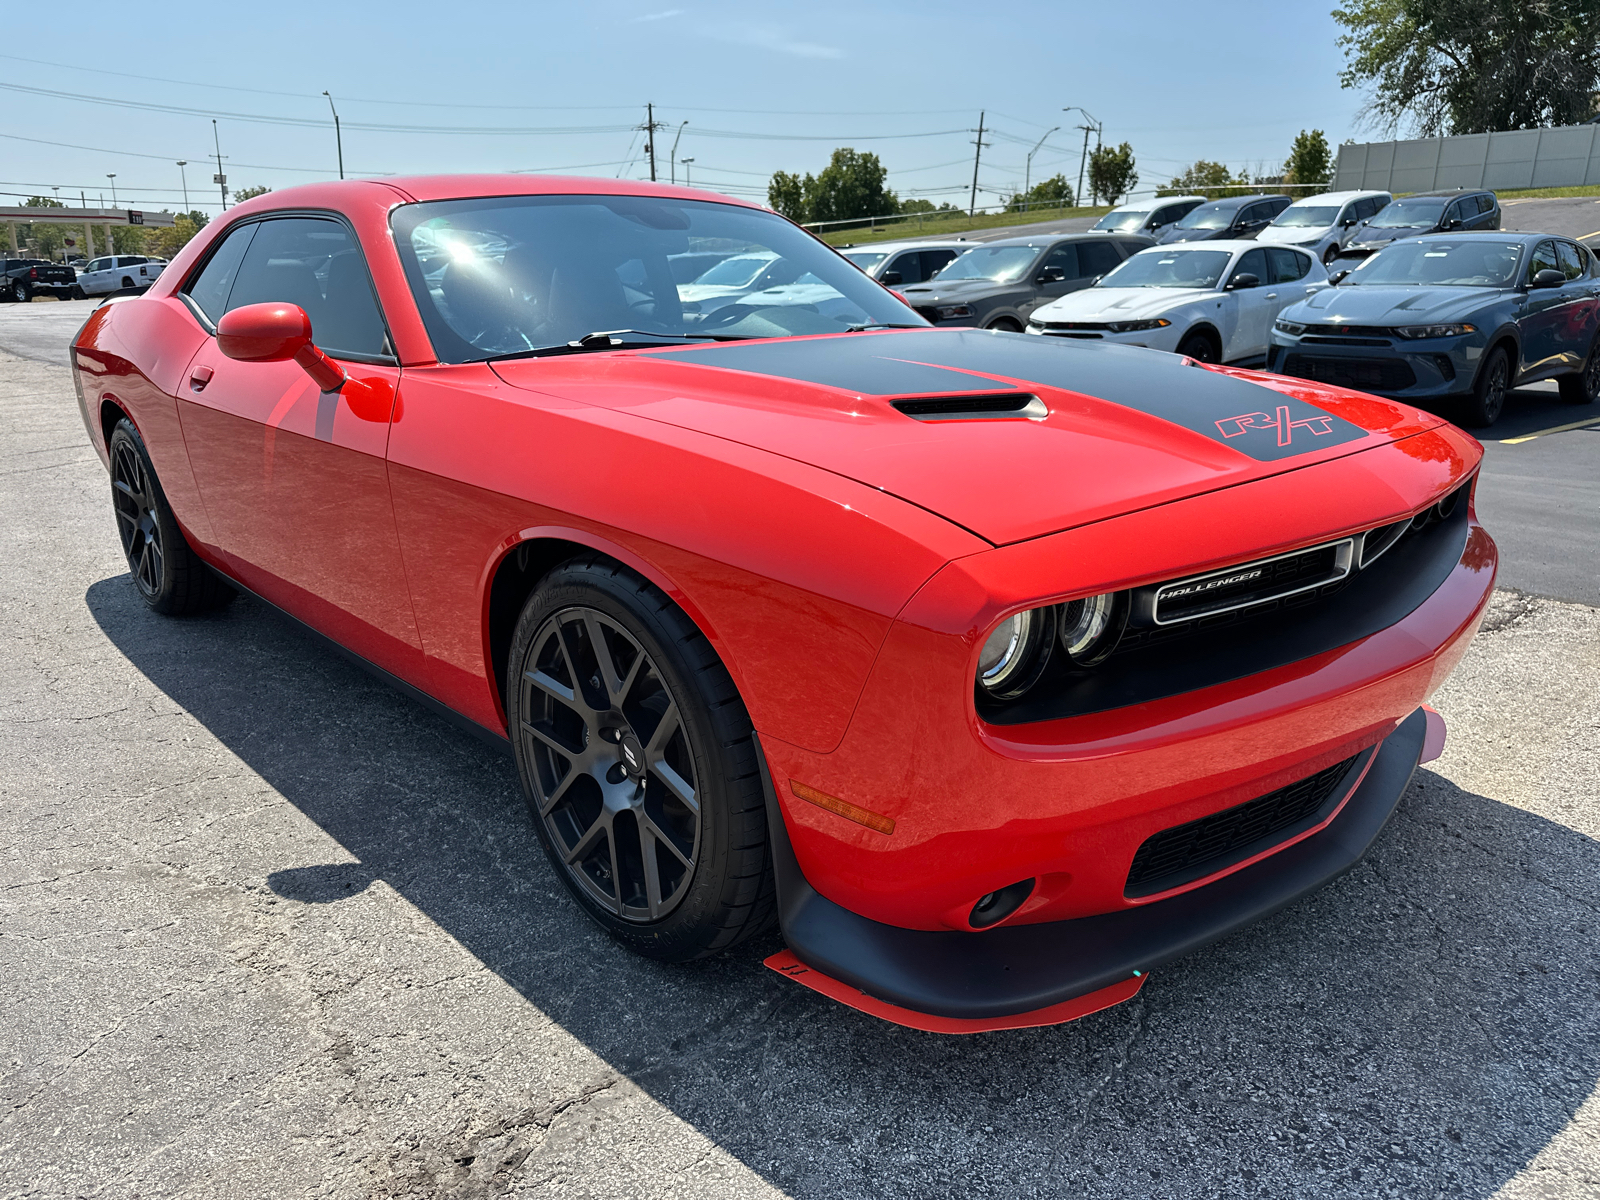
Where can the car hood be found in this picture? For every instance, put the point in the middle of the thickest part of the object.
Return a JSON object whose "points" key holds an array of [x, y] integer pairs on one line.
{"points": [[1297, 236], [1372, 305], [943, 291], [1382, 237], [1116, 304], [1124, 428], [1174, 234]]}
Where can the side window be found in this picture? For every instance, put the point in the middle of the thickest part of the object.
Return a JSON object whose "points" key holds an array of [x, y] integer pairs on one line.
{"points": [[934, 261], [909, 267], [1543, 259], [1064, 256], [1096, 258], [315, 263], [1486, 203], [1288, 265], [1253, 263], [1571, 264], [210, 288]]}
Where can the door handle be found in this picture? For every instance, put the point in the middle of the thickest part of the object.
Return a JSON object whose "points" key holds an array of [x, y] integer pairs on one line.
{"points": [[199, 377], [1272, 295]]}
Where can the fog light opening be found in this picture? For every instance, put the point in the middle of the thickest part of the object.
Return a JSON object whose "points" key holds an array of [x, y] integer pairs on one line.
{"points": [[996, 906]]}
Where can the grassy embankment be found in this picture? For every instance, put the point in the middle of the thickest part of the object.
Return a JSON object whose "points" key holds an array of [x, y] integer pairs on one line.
{"points": [[952, 225]]}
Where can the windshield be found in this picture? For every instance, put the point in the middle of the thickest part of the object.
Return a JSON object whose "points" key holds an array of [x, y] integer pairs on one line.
{"points": [[1400, 214], [866, 259], [513, 274], [1209, 216], [1307, 216], [1169, 269], [1467, 263], [1003, 264], [1121, 221]]}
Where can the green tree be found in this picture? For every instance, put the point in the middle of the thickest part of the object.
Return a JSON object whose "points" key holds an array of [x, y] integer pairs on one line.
{"points": [[1111, 173], [1472, 66], [43, 241], [1054, 192], [1310, 161], [920, 205], [165, 243], [786, 194], [249, 193], [1206, 178]]}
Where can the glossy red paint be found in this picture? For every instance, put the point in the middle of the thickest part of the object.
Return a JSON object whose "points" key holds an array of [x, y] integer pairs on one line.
{"points": [[790, 967], [274, 333], [845, 561]]}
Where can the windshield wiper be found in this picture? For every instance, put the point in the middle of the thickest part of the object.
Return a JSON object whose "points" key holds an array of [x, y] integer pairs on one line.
{"points": [[618, 339], [880, 325]]}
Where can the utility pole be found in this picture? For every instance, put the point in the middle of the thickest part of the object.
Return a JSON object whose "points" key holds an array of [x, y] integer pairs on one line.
{"points": [[219, 178], [1027, 171], [650, 127], [972, 207], [672, 159], [338, 137], [183, 175]]}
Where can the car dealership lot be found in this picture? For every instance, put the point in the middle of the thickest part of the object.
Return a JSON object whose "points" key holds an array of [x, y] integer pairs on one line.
{"points": [[270, 929]]}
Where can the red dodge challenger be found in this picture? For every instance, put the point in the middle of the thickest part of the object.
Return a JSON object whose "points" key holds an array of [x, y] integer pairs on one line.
{"points": [[996, 670]]}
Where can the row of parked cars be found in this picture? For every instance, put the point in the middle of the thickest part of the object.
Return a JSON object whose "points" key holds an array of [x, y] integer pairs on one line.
{"points": [[21, 279], [1422, 298]]}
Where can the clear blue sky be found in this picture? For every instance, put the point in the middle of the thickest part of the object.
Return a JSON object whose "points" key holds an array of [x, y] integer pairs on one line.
{"points": [[1232, 82]]}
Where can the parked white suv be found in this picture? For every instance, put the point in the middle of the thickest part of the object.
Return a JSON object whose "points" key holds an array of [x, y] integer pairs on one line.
{"points": [[1324, 224], [1149, 217], [117, 272], [1213, 301]]}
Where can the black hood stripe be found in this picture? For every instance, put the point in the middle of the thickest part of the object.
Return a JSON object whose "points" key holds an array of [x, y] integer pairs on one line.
{"points": [[1256, 421]]}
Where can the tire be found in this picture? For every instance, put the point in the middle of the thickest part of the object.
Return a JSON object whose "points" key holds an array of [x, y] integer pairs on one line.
{"points": [[1582, 386], [19, 292], [1004, 325], [1201, 347], [604, 765], [127, 282], [167, 573], [1487, 400], [77, 293]]}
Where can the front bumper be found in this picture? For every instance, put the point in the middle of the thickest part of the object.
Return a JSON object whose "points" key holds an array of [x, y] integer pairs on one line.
{"points": [[1165, 338], [984, 978], [1388, 366]]}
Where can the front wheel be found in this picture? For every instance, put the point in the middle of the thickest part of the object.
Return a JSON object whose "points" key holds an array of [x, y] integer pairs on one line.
{"points": [[1004, 325], [639, 764], [1199, 347], [167, 573], [1488, 399], [77, 293], [19, 292], [1583, 386]]}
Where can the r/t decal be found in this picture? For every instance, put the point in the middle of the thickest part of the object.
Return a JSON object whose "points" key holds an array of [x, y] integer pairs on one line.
{"points": [[1233, 426]]}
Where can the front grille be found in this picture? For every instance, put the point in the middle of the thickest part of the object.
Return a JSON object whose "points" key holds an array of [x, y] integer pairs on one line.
{"points": [[1068, 325], [1185, 853], [1344, 341], [1251, 583], [1369, 331], [1370, 374]]}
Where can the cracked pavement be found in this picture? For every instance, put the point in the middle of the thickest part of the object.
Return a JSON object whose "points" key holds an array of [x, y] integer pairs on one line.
{"points": [[268, 929]]}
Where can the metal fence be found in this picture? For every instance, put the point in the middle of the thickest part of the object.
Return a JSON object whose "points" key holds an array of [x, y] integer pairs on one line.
{"points": [[1519, 158]]}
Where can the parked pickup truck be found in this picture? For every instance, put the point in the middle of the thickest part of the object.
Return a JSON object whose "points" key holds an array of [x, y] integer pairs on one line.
{"points": [[118, 272], [25, 278]]}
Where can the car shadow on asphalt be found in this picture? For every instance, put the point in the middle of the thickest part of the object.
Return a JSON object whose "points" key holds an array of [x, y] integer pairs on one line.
{"points": [[1424, 1025]]}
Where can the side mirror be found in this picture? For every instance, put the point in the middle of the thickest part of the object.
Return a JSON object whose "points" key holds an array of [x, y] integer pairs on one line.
{"points": [[1052, 275], [1244, 280], [1453, 223], [890, 278], [1338, 276], [1348, 223], [274, 332], [1548, 278]]}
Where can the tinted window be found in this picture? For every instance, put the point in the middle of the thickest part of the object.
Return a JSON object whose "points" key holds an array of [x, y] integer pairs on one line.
{"points": [[934, 261], [1571, 264], [315, 264], [1288, 265], [1253, 263], [1485, 203], [1065, 257], [1543, 259], [210, 288], [1097, 258], [909, 266]]}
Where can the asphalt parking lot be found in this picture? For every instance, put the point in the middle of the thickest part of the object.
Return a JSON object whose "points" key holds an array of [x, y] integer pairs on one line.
{"points": [[268, 929]]}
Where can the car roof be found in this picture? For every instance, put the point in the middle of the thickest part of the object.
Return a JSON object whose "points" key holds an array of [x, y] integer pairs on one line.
{"points": [[893, 247], [1229, 244], [1340, 197], [1240, 201], [1051, 239], [423, 188], [1448, 192], [1500, 235], [1154, 202]]}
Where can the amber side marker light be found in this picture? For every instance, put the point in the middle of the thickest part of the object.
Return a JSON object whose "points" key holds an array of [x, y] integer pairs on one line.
{"points": [[850, 812]]}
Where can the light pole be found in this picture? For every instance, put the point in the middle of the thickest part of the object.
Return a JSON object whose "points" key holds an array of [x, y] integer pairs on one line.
{"points": [[1027, 171], [686, 162], [183, 175], [672, 159], [1095, 126], [112, 175], [338, 137], [219, 178]]}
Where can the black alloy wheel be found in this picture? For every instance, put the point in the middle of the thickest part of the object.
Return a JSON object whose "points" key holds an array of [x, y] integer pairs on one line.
{"points": [[1004, 325], [1199, 347], [1581, 387], [19, 292], [169, 576], [1488, 398], [638, 764]]}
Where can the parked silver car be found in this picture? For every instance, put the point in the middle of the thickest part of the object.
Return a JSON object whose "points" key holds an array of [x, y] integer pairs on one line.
{"points": [[1324, 224], [896, 264], [1148, 217]]}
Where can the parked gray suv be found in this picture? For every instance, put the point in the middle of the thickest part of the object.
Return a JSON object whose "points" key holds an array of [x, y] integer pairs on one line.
{"points": [[995, 285], [1425, 212]]}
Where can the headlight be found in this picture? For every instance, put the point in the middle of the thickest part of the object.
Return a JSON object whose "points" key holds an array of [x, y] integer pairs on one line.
{"points": [[1091, 628], [1293, 327], [1136, 326], [1017, 652], [954, 310], [1435, 331]]}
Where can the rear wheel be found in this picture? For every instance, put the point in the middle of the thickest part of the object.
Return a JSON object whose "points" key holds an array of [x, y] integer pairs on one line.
{"points": [[19, 292], [638, 763], [1581, 387], [76, 293], [1488, 399], [127, 282], [167, 573], [1200, 346]]}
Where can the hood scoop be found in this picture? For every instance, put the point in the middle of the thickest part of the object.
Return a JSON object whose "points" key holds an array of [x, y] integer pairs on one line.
{"points": [[999, 406]]}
